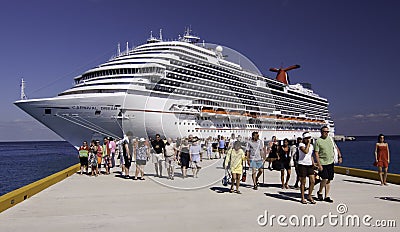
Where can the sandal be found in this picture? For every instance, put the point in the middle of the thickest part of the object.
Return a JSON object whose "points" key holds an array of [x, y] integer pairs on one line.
{"points": [[304, 202], [312, 201], [134, 178], [238, 192], [231, 190], [141, 178]]}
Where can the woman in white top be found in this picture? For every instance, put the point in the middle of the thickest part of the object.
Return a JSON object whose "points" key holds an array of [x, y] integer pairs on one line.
{"points": [[194, 152], [306, 167]]}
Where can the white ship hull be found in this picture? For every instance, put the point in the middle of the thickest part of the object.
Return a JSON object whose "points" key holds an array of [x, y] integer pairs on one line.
{"points": [[94, 116]]}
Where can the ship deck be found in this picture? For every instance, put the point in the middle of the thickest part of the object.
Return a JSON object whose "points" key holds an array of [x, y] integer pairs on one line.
{"points": [[111, 203]]}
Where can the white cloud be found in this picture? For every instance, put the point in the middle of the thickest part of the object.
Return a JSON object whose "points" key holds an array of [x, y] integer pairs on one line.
{"points": [[381, 115], [371, 116]]}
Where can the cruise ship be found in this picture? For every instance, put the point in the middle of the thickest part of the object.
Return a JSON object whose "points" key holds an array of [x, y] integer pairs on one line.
{"points": [[179, 88]]}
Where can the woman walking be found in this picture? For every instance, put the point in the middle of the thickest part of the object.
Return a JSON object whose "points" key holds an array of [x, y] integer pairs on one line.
{"points": [[93, 158], [141, 152], [382, 158], [184, 157], [272, 151], [194, 152], [284, 161], [306, 167], [234, 159]]}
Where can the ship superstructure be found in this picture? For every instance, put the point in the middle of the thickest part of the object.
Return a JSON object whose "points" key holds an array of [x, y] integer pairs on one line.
{"points": [[177, 88]]}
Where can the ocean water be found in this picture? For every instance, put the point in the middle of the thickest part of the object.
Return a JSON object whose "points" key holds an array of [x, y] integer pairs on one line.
{"points": [[361, 152], [22, 163]]}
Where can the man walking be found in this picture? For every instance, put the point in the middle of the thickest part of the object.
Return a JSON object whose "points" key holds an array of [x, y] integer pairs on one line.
{"points": [[255, 153], [158, 155], [324, 154]]}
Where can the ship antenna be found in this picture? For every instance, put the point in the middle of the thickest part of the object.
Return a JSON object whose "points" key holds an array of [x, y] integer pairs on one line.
{"points": [[127, 48], [119, 49], [23, 96], [161, 34]]}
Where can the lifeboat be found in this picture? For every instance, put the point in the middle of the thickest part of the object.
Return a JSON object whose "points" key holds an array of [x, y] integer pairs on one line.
{"points": [[207, 112], [221, 113]]}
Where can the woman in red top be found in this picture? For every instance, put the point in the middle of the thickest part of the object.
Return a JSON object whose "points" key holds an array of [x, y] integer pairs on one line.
{"points": [[382, 158]]}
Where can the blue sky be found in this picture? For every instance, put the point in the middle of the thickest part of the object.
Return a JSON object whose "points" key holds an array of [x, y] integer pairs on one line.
{"points": [[348, 50]]}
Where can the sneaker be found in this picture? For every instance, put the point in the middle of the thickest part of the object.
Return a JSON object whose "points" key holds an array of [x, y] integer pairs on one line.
{"points": [[328, 199], [319, 196]]}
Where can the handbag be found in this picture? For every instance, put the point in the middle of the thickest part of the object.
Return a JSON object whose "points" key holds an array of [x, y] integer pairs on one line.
{"points": [[244, 176], [244, 173], [225, 181]]}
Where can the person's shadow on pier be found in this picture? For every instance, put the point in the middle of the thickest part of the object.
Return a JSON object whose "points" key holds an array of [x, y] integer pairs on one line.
{"points": [[288, 196], [360, 182], [395, 199], [220, 189]]}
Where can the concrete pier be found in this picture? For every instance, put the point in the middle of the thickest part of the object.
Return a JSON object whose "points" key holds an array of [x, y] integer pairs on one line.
{"points": [[112, 203]]}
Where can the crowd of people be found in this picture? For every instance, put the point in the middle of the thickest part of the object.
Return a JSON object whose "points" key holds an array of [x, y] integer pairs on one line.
{"points": [[311, 159]]}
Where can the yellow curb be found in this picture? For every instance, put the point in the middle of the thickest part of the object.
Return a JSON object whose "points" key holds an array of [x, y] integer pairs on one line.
{"points": [[368, 174], [12, 198]]}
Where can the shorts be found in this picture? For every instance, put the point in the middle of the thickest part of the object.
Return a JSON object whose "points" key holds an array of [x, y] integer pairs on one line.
{"points": [[127, 161], [84, 161], [327, 172], [155, 158], [285, 164], [305, 170], [169, 162], [196, 158], [140, 162], [256, 164]]}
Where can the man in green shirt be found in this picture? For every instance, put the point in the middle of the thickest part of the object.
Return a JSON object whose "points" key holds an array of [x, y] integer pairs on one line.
{"points": [[324, 154]]}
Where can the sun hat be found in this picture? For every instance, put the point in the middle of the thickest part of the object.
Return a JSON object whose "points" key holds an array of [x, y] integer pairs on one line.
{"points": [[306, 135]]}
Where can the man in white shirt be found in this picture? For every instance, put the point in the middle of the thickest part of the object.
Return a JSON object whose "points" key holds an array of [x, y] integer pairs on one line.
{"points": [[255, 153]]}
